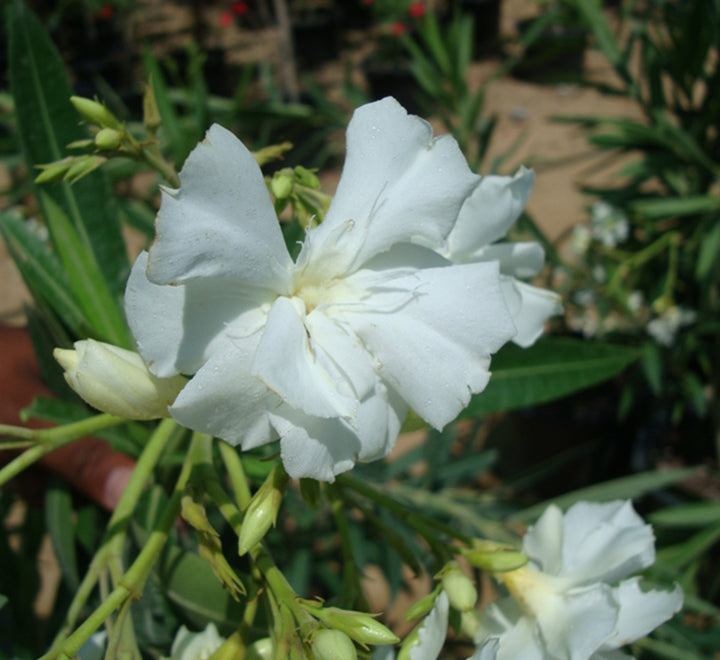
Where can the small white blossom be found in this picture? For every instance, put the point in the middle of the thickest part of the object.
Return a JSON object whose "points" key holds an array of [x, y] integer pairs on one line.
{"points": [[580, 240], [571, 600], [396, 300], [664, 328], [610, 225], [196, 646], [635, 301]]}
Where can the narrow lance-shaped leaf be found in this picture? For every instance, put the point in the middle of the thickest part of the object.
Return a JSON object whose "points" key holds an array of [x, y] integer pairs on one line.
{"points": [[47, 122], [553, 368], [86, 280]]}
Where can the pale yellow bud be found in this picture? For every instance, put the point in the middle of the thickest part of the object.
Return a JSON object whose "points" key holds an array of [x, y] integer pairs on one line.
{"points": [[494, 557], [95, 113], [333, 645], [108, 138], [460, 590], [281, 185], [262, 511], [117, 381], [261, 649]]}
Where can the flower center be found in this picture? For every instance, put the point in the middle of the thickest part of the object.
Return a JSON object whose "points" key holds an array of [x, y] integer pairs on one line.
{"points": [[328, 292], [534, 590]]}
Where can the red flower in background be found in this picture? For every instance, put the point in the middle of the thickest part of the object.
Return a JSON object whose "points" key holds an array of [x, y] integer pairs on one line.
{"points": [[416, 10], [367, 2], [226, 19], [398, 28], [106, 12], [239, 8]]}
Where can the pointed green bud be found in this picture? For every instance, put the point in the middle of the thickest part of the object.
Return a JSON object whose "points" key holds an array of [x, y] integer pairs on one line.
{"points": [[117, 381], [82, 166], [194, 514], [81, 144], [494, 557], [261, 649], [281, 185], [306, 177], [273, 152], [96, 113], [151, 112], [108, 138], [459, 588], [333, 645], [262, 511], [54, 171], [359, 626], [423, 606]]}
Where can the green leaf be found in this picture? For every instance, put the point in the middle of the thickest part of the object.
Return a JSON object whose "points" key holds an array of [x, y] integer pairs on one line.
{"points": [[60, 525], [616, 489], [709, 252], [665, 207], [552, 368], [3, 601], [42, 272], [47, 122], [697, 514], [85, 277], [189, 583], [681, 554]]}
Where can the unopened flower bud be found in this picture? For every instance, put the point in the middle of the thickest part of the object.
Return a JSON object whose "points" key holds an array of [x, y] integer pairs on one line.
{"points": [[459, 588], [82, 166], [469, 623], [54, 171], [359, 626], [260, 649], [117, 381], [108, 138], [333, 645], [151, 112], [96, 113], [306, 177], [423, 606], [281, 185], [494, 558], [262, 511]]}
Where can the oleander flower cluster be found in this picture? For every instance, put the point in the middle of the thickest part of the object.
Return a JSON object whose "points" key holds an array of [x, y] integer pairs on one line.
{"points": [[397, 299]]}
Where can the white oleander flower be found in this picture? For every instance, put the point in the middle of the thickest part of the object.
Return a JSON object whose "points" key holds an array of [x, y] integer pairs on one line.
{"points": [[188, 645], [432, 631], [664, 328], [571, 600], [610, 225], [376, 314]]}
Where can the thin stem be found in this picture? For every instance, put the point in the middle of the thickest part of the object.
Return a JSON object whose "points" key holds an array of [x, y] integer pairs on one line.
{"points": [[117, 527], [132, 582], [350, 588], [238, 480], [51, 439]]}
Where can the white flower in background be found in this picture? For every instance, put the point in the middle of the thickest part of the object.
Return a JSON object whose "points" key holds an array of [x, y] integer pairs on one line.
{"points": [[664, 328], [599, 274], [376, 315], [188, 645], [571, 600], [580, 240], [610, 225], [635, 301]]}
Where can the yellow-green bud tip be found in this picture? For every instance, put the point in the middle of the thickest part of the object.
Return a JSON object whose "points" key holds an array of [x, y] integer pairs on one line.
{"points": [[108, 138], [95, 112], [333, 645]]}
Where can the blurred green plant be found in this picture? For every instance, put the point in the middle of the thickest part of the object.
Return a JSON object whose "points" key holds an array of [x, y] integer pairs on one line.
{"points": [[647, 267]]}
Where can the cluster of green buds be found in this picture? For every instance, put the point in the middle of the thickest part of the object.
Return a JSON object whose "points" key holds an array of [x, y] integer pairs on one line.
{"points": [[299, 188], [110, 137]]}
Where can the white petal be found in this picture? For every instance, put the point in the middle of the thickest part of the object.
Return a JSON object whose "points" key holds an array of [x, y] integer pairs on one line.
{"points": [[576, 624], [641, 612], [433, 631], [487, 651], [221, 222], [225, 400], [288, 364], [432, 333], [323, 448], [489, 212], [398, 185], [600, 541], [523, 260], [517, 634], [178, 327], [543, 541], [530, 307]]}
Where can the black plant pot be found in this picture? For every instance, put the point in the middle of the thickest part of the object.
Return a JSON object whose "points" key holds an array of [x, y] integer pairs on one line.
{"points": [[556, 55], [315, 37], [393, 78], [486, 23]]}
